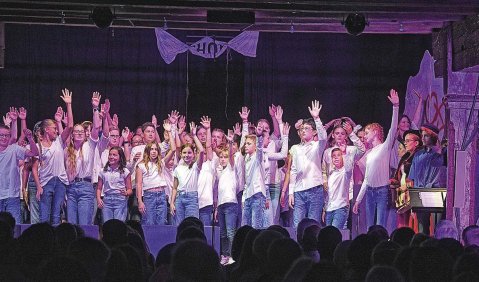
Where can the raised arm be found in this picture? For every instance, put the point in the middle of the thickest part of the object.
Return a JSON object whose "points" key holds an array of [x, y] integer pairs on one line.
{"points": [[105, 117], [67, 98], [199, 147], [229, 138], [33, 147], [276, 128], [283, 153], [244, 117], [95, 103], [125, 134], [22, 114], [206, 123], [360, 148], [60, 117], [154, 121], [314, 111], [171, 129], [13, 114], [394, 99]]}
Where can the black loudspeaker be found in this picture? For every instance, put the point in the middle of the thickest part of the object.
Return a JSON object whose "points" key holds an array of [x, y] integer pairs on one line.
{"points": [[246, 17], [2, 45]]}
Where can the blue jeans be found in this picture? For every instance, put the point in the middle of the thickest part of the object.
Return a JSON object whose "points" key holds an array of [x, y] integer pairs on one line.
{"points": [[253, 211], [275, 192], [52, 200], [34, 204], [338, 218], [206, 215], [12, 205], [239, 213], [114, 207], [156, 209], [227, 213], [80, 203], [308, 203], [186, 205], [377, 203]]}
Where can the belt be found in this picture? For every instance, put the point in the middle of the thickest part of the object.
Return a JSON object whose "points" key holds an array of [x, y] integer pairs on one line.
{"points": [[85, 179], [156, 189]]}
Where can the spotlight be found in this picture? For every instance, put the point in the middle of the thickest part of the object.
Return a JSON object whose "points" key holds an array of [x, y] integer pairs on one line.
{"points": [[355, 23], [102, 17]]}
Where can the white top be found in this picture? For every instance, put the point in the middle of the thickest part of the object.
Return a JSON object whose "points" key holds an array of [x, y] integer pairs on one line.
{"points": [[239, 171], [85, 159], [151, 177], [339, 181], [114, 180], [187, 177], [132, 164], [270, 161], [96, 166], [9, 172], [52, 162], [206, 180], [377, 161], [226, 184], [306, 172]]}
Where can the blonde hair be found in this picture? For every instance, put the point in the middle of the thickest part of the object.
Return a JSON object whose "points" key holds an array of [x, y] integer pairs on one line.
{"points": [[42, 125], [71, 156], [146, 155], [378, 128]]}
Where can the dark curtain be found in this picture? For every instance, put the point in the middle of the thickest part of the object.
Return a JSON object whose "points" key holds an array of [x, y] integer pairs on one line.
{"points": [[349, 75]]}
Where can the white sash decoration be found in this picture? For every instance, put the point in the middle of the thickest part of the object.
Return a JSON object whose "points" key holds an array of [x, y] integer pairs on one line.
{"points": [[207, 47]]}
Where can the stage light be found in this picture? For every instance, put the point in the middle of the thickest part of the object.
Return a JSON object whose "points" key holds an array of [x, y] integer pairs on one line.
{"points": [[102, 17], [355, 23]]}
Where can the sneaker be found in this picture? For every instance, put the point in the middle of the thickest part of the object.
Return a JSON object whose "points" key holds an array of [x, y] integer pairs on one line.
{"points": [[230, 260], [224, 260]]}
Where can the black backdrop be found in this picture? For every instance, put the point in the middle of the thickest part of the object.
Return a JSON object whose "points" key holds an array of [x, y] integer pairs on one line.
{"points": [[349, 75]]}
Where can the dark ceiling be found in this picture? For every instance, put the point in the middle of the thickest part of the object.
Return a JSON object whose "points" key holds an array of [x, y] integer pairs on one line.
{"points": [[393, 16]]}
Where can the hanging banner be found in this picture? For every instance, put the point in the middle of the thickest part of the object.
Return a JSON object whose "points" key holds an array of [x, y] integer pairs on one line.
{"points": [[207, 47]]}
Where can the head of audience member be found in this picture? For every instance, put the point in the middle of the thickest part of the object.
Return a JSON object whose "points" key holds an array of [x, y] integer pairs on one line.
{"points": [[4, 136], [191, 232], [162, 263], [430, 264], [115, 233], [136, 225], [280, 229], [247, 259], [238, 241], [374, 133], [218, 137], [114, 137], [65, 234], [402, 236], [117, 266], [359, 253], [452, 246], [328, 238], [308, 130], [281, 255], [136, 140], [381, 273], [384, 253], [417, 239], [412, 140], [8, 219], [466, 263], [446, 229], [470, 235], [201, 134], [149, 132], [136, 267], [187, 222], [135, 240], [48, 130], [262, 243], [430, 135], [93, 255], [6, 235], [404, 124], [340, 256], [194, 260], [324, 271], [302, 225], [466, 276], [63, 268], [80, 231], [299, 270], [310, 242], [378, 232], [403, 259], [87, 127]]}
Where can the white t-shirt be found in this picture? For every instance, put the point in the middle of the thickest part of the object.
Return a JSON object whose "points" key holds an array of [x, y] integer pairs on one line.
{"points": [[187, 177], [206, 180], [338, 186], [9, 172], [226, 184], [113, 180], [151, 177], [52, 162], [86, 160]]}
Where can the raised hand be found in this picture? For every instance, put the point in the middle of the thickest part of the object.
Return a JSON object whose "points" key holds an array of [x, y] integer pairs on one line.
{"points": [[114, 120], [59, 114], [28, 133], [193, 128], [347, 127], [22, 113], [66, 96], [95, 99], [7, 120], [65, 118], [278, 115], [125, 133], [167, 125], [206, 122], [393, 97], [286, 128], [154, 121], [272, 110], [13, 113], [315, 109], [181, 123], [298, 124], [230, 135], [106, 107], [173, 117], [237, 129], [244, 113]]}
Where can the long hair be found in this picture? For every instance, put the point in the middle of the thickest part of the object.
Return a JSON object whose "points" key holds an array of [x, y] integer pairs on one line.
{"points": [[71, 156], [122, 165], [146, 155], [40, 133], [379, 129]]}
